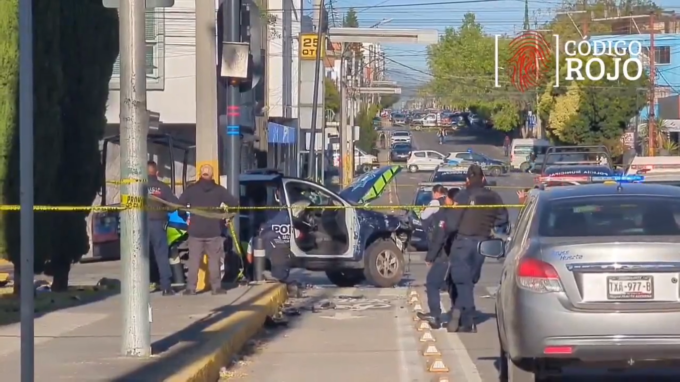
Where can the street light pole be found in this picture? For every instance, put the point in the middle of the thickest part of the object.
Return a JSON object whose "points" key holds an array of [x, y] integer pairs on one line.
{"points": [[315, 100], [133, 225], [26, 188], [231, 19]]}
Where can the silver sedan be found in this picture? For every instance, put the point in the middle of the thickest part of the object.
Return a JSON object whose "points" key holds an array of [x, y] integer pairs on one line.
{"points": [[590, 277]]}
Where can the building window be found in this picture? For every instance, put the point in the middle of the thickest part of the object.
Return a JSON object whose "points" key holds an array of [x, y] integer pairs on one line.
{"points": [[155, 52], [661, 53]]}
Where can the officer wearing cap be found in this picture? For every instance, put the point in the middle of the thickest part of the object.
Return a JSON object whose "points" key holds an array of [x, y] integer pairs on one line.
{"points": [[470, 226]]}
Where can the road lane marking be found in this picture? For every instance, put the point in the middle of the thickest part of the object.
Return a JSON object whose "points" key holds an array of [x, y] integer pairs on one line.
{"points": [[467, 366], [409, 358]]}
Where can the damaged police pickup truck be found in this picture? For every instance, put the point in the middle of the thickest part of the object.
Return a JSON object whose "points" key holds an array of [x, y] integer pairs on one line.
{"points": [[338, 233]]}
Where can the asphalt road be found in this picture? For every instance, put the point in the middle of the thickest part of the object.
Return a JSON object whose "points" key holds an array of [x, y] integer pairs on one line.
{"points": [[366, 334], [371, 335]]}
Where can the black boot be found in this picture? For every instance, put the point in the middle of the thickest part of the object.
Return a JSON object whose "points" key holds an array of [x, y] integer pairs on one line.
{"points": [[454, 321], [434, 322]]}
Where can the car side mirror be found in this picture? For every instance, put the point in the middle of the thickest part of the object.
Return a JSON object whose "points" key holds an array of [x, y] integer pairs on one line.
{"points": [[492, 248]]}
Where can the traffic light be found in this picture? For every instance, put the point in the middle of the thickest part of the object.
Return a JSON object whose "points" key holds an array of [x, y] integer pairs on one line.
{"points": [[149, 3]]}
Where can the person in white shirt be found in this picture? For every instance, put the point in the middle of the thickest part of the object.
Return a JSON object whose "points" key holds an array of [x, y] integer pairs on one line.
{"points": [[438, 195]]}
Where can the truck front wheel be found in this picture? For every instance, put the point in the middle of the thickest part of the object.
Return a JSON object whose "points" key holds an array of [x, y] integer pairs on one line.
{"points": [[385, 264]]}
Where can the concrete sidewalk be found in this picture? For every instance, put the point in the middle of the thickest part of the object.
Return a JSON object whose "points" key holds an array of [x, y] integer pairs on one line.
{"points": [[192, 337]]}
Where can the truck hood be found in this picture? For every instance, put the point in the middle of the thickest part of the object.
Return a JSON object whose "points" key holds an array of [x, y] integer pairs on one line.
{"points": [[370, 185]]}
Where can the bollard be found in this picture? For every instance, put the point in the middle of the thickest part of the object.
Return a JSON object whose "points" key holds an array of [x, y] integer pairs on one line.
{"points": [[259, 259]]}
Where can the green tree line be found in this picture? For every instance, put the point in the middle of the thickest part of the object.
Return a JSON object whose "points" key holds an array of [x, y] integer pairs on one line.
{"points": [[75, 44], [577, 112]]}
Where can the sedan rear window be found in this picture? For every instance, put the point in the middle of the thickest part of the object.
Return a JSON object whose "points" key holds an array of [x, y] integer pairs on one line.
{"points": [[611, 216]]}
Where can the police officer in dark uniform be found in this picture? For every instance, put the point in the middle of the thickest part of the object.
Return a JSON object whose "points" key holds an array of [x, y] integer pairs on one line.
{"points": [[437, 260], [470, 226]]}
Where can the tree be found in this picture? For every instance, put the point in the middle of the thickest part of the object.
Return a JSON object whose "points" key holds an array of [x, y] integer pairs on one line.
{"points": [[367, 134], [87, 65], [463, 66], [332, 96], [389, 100], [74, 59], [590, 112], [47, 93], [351, 20]]}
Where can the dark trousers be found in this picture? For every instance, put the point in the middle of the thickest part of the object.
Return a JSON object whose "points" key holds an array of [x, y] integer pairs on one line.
{"points": [[279, 260], [214, 248], [462, 270], [478, 263], [506, 149], [158, 239], [435, 281]]}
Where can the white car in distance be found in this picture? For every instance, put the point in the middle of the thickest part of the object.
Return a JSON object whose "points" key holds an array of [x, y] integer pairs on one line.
{"points": [[424, 160], [400, 137]]}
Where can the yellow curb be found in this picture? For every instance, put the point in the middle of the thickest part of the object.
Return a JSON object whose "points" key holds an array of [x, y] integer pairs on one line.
{"points": [[229, 337]]}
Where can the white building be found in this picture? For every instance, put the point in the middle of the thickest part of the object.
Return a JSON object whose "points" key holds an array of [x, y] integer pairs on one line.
{"points": [[282, 60], [171, 66]]}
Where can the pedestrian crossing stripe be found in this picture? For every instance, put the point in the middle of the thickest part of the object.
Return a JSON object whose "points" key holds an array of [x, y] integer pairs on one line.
{"points": [[427, 337], [437, 366], [431, 350]]}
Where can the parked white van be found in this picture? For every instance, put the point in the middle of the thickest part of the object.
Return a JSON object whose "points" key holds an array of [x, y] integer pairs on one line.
{"points": [[522, 148]]}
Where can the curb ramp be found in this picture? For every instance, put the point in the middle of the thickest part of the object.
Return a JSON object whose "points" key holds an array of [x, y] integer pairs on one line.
{"points": [[229, 336]]}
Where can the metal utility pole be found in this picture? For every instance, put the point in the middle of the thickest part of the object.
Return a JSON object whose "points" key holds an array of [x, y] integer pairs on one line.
{"points": [[651, 122], [231, 19], [207, 136], [586, 17], [133, 225], [353, 109], [342, 133], [315, 102], [26, 188]]}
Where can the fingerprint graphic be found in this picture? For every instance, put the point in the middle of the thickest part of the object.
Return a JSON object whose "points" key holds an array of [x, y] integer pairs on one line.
{"points": [[530, 56]]}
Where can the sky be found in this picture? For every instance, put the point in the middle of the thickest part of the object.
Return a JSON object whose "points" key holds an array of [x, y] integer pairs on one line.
{"points": [[407, 64]]}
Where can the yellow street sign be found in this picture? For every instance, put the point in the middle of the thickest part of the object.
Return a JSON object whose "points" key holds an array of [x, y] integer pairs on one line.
{"points": [[308, 46]]}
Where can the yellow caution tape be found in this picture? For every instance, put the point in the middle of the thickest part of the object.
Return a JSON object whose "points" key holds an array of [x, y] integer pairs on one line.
{"points": [[223, 215]]}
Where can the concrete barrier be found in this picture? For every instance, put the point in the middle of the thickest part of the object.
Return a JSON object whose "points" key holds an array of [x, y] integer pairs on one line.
{"points": [[230, 335]]}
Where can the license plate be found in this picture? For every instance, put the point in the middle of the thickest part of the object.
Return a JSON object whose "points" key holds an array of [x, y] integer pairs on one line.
{"points": [[399, 243], [630, 288]]}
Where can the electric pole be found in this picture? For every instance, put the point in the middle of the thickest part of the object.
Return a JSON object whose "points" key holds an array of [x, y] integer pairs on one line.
{"points": [[345, 176], [586, 17], [527, 23], [133, 225], [352, 111], [26, 200], [231, 154], [651, 120], [207, 135], [315, 101]]}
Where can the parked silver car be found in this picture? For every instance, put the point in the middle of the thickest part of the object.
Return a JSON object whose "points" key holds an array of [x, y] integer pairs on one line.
{"points": [[591, 275]]}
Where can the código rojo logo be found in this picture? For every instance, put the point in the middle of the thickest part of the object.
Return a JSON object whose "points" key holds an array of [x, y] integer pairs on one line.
{"points": [[531, 55]]}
